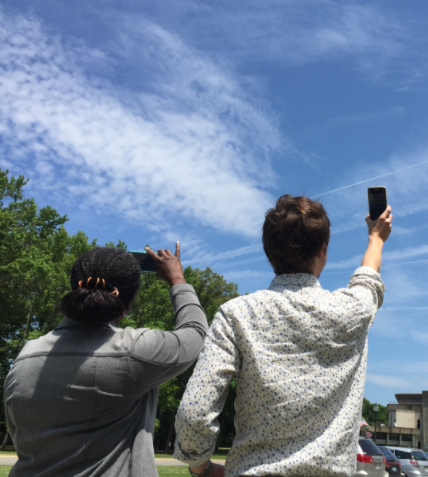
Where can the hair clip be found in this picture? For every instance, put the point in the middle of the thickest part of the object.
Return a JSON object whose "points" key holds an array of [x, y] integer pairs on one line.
{"points": [[115, 292]]}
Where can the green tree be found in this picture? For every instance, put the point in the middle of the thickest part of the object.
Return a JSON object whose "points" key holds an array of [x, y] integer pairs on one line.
{"points": [[369, 414], [36, 256]]}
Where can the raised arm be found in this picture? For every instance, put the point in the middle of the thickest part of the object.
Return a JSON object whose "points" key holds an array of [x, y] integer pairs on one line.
{"points": [[157, 356], [379, 231]]}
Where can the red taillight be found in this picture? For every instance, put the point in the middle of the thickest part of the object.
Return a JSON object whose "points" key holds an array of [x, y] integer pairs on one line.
{"points": [[414, 462], [384, 460], [365, 459]]}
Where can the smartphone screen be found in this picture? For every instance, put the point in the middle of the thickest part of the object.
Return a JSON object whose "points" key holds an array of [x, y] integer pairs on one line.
{"points": [[377, 201], [146, 262]]}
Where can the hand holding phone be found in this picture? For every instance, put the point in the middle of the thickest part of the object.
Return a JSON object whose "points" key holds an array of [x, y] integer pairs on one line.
{"points": [[169, 267], [381, 227]]}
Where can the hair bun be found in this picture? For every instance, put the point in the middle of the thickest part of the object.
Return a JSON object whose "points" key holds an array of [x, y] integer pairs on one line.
{"points": [[96, 279]]}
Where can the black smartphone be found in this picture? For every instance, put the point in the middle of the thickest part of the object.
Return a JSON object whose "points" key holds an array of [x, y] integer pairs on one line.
{"points": [[377, 201], [147, 262]]}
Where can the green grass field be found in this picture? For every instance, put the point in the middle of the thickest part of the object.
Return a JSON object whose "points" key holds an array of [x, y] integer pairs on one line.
{"points": [[172, 471], [163, 471]]}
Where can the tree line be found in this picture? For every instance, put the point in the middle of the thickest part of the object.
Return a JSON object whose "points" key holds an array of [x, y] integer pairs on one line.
{"points": [[36, 256]]}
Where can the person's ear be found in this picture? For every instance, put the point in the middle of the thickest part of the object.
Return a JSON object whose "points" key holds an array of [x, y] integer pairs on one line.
{"points": [[322, 253]]}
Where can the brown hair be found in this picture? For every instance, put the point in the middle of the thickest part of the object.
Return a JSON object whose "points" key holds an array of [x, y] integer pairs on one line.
{"points": [[294, 232]]}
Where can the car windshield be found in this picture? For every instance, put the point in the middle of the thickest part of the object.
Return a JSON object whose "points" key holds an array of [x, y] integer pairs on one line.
{"points": [[390, 456], [369, 447], [402, 455], [419, 455]]}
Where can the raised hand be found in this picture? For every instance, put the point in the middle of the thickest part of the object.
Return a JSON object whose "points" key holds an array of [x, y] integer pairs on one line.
{"points": [[382, 226], [170, 269]]}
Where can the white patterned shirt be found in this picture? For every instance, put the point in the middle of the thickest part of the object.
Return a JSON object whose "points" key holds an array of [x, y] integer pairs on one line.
{"points": [[299, 354]]}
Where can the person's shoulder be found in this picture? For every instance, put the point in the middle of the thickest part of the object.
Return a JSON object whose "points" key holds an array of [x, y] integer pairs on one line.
{"points": [[246, 301], [129, 335], [40, 345]]}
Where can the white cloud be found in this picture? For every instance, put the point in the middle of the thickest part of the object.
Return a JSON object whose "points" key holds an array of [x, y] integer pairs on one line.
{"points": [[295, 31], [209, 257], [389, 381], [192, 144], [389, 257], [405, 175]]}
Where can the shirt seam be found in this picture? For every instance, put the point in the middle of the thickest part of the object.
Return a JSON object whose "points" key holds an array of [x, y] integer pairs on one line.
{"points": [[96, 388], [105, 355], [64, 353], [130, 370]]}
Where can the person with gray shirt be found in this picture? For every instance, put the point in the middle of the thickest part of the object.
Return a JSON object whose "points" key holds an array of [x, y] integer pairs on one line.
{"points": [[81, 400]]}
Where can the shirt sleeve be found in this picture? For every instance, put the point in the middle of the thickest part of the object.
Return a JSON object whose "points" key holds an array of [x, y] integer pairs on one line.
{"points": [[365, 291], [157, 356], [196, 422]]}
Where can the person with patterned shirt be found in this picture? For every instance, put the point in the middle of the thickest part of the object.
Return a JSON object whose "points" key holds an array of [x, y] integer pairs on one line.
{"points": [[299, 355]]}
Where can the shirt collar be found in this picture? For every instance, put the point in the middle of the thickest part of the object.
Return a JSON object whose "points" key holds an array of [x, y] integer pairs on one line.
{"points": [[69, 323], [299, 280]]}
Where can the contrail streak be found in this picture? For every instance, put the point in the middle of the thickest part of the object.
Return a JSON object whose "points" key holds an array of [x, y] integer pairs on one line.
{"points": [[368, 180]]}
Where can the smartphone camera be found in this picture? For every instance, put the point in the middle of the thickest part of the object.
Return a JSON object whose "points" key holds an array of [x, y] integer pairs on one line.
{"points": [[146, 261]]}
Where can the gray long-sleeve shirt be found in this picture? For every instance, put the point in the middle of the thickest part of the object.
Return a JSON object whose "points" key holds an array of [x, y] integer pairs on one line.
{"points": [[81, 400]]}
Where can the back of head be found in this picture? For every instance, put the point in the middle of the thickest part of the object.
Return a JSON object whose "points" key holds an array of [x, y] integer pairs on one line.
{"points": [[294, 232], [94, 277]]}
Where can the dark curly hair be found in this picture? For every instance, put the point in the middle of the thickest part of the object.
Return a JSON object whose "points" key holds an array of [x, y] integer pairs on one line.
{"points": [[294, 232], [118, 268]]}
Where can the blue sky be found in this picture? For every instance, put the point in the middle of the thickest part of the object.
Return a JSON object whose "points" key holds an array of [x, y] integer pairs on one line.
{"points": [[161, 121]]}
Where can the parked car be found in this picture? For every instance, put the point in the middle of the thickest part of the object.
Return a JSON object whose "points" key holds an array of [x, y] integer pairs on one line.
{"points": [[393, 464], [413, 461], [370, 460]]}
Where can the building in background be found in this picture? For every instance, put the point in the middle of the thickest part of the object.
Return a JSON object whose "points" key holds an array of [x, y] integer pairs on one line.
{"points": [[408, 422]]}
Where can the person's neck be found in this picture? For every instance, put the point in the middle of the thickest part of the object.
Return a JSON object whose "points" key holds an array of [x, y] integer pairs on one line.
{"points": [[315, 266]]}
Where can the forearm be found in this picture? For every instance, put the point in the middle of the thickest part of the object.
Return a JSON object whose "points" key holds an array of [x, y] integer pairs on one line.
{"points": [[187, 309], [199, 468], [373, 256]]}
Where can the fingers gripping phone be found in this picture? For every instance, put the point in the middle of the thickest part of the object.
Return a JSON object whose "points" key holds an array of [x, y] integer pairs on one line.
{"points": [[146, 261], [377, 201]]}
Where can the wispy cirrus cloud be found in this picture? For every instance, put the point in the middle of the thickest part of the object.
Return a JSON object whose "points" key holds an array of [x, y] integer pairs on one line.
{"points": [[389, 381], [388, 256], [189, 144], [405, 175], [294, 32]]}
